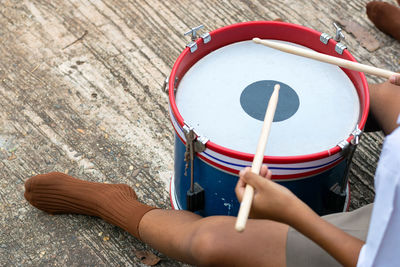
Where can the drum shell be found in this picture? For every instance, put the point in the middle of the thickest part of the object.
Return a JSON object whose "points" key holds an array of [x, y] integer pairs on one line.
{"points": [[219, 176], [219, 187]]}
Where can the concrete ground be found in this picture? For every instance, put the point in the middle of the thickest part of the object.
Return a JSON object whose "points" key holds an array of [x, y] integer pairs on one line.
{"points": [[80, 93]]}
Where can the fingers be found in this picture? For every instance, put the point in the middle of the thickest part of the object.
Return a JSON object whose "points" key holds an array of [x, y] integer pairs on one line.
{"points": [[240, 186], [248, 177], [269, 175], [264, 171], [253, 179], [243, 171], [239, 189], [395, 79]]}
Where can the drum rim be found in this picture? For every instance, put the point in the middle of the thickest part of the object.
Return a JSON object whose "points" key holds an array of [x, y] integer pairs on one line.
{"points": [[181, 65]]}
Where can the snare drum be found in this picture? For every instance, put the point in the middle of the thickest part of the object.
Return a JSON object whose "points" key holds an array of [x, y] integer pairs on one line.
{"points": [[218, 94]]}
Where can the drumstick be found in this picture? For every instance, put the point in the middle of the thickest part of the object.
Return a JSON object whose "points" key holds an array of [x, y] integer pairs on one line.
{"points": [[326, 58], [244, 209]]}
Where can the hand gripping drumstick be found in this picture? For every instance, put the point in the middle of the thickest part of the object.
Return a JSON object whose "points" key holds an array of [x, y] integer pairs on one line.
{"points": [[244, 209], [325, 58]]}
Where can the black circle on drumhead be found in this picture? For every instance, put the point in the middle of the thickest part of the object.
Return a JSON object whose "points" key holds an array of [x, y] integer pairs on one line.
{"points": [[254, 100]]}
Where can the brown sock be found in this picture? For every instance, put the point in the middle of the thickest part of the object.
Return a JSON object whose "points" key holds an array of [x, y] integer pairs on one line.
{"points": [[386, 17], [58, 193]]}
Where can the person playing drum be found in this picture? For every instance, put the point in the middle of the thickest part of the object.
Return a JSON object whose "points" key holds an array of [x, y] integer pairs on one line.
{"points": [[281, 227]]}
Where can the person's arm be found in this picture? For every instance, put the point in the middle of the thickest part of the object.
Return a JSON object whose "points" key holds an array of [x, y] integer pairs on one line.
{"points": [[340, 245], [275, 202], [384, 103]]}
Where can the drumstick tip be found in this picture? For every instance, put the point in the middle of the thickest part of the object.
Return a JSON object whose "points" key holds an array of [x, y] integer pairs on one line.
{"points": [[277, 87], [239, 228], [264, 42]]}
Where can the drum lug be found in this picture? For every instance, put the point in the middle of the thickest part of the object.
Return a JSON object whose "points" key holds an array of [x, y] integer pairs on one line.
{"points": [[356, 139], [337, 195], [198, 140], [192, 46], [193, 35], [200, 144], [206, 37], [195, 199], [354, 142], [194, 144], [189, 153], [176, 83], [339, 36], [164, 87], [335, 198], [339, 48], [357, 134], [343, 145], [325, 38], [340, 189]]}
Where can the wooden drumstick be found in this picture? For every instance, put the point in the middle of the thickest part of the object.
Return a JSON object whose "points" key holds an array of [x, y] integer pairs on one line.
{"points": [[326, 58], [245, 205]]}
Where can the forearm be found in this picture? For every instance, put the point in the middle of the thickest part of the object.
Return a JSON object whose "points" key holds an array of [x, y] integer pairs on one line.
{"points": [[275, 202], [384, 105], [340, 245]]}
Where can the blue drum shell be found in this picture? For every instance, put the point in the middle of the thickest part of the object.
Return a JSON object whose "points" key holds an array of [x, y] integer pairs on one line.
{"points": [[219, 187]]}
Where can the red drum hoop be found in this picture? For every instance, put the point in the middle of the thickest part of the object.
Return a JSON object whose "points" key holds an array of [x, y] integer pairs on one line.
{"points": [[279, 31]]}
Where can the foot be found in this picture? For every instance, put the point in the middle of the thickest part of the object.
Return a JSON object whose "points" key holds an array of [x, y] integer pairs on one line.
{"points": [[57, 193], [386, 17]]}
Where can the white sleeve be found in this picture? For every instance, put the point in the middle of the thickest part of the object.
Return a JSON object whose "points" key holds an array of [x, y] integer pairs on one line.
{"points": [[381, 247]]}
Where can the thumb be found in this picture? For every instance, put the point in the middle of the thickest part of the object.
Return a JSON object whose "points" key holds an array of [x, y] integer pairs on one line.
{"points": [[253, 179]]}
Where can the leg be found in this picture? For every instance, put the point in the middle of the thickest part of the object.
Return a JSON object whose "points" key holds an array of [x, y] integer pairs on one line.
{"points": [[58, 193], [213, 241], [178, 234], [385, 105], [386, 17]]}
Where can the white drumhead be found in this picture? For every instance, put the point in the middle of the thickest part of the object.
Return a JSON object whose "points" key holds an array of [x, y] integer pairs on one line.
{"points": [[209, 100]]}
